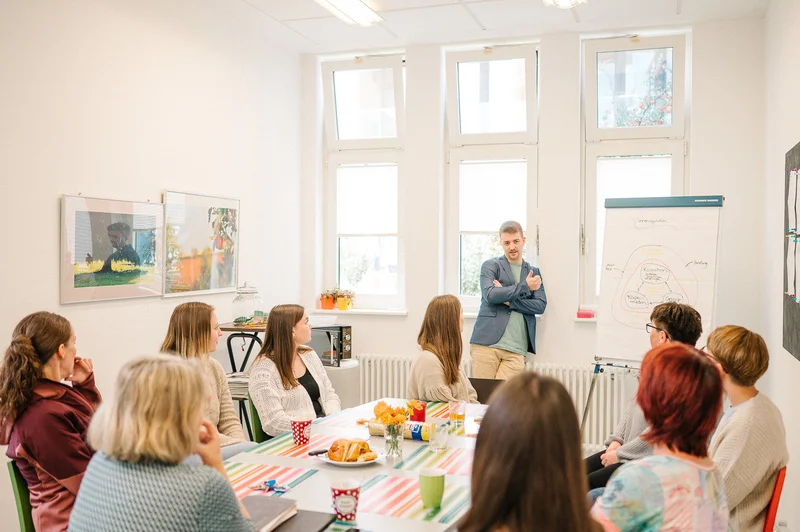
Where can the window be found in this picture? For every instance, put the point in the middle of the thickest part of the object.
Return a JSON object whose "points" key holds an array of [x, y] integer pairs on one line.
{"points": [[364, 115], [634, 115], [492, 116], [484, 192], [364, 103], [492, 96], [635, 88]]}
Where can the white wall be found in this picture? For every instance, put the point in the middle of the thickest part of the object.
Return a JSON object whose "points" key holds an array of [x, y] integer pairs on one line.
{"points": [[782, 55], [124, 100], [726, 157]]}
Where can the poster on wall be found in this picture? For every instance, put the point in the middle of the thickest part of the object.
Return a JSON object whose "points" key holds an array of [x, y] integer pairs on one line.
{"points": [[110, 249], [791, 253], [201, 244]]}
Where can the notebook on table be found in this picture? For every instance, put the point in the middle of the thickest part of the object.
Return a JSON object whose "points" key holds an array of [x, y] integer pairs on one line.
{"points": [[281, 514]]}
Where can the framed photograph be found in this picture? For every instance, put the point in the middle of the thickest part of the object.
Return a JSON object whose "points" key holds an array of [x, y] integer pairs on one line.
{"points": [[110, 249], [202, 244]]}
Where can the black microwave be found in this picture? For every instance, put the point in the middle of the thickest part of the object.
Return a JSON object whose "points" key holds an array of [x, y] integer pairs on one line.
{"points": [[332, 344]]}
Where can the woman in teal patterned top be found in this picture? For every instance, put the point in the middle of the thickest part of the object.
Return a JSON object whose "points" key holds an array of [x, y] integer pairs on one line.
{"points": [[678, 488], [137, 479]]}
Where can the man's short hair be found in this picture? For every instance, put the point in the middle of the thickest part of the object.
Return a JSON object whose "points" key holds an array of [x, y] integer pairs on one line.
{"points": [[682, 323], [511, 227], [122, 227]]}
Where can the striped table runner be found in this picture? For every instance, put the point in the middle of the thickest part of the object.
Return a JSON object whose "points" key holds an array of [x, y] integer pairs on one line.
{"points": [[400, 497], [242, 476], [284, 445], [454, 461]]}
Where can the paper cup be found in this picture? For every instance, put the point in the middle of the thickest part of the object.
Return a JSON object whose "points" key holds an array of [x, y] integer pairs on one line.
{"points": [[419, 414], [345, 499], [431, 487], [301, 431]]}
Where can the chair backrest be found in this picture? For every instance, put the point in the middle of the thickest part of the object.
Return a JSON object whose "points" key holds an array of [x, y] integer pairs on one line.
{"points": [[772, 509], [485, 387], [258, 431], [22, 497]]}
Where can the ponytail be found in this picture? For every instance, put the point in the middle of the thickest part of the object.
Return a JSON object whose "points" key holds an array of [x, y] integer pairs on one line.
{"points": [[36, 339], [19, 374]]}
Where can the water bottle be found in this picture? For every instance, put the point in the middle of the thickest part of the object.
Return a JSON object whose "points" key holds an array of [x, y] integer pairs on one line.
{"points": [[781, 526]]}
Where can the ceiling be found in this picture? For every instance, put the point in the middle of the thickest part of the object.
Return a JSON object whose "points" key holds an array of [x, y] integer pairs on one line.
{"points": [[306, 27]]}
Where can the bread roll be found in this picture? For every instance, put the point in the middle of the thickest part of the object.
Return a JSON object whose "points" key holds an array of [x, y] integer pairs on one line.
{"points": [[338, 450], [368, 457], [354, 450]]}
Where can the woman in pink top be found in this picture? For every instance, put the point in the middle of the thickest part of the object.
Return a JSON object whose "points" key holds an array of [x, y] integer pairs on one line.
{"points": [[678, 488]]}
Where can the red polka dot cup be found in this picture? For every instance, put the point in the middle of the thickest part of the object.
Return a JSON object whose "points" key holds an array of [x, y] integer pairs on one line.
{"points": [[345, 499], [301, 431]]}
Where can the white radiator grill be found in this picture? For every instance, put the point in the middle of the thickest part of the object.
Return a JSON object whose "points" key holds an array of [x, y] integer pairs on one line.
{"points": [[387, 376]]}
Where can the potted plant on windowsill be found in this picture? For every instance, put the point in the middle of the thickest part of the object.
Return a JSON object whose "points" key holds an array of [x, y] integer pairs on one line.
{"points": [[327, 299], [343, 299]]}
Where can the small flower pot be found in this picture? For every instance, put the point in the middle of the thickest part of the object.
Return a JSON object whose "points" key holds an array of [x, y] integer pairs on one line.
{"points": [[343, 303], [327, 303]]}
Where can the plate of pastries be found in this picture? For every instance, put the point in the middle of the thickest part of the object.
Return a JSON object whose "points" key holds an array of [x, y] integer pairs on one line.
{"points": [[350, 453]]}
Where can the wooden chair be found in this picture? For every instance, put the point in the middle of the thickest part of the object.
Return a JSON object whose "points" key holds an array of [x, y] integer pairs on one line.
{"points": [[259, 436], [772, 509], [22, 497]]}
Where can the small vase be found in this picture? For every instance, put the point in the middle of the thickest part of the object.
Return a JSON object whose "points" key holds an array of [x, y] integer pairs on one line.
{"points": [[327, 303], [394, 441], [343, 303]]}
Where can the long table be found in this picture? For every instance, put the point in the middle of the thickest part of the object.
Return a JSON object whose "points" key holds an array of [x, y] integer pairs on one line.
{"points": [[389, 499]]}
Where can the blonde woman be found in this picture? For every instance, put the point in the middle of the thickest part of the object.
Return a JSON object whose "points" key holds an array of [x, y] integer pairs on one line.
{"points": [[138, 478], [194, 334], [287, 379], [436, 374], [749, 445]]}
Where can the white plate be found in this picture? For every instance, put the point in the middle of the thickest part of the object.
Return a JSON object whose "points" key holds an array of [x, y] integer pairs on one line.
{"points": [[324, 458]]}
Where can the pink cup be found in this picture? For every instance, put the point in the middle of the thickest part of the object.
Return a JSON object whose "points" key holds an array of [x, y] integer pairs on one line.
{"points": [[345, 499], [301, 431]]}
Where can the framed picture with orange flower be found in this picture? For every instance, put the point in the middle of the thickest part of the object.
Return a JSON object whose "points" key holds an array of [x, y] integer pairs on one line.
{"points": [[201, 244]]}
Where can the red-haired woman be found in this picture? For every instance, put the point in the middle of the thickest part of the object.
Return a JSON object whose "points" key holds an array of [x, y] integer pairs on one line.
{"points": [[679, 487]]}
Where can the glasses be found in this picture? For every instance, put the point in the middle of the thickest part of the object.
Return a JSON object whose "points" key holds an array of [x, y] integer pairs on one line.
{"points": [[650, 328]]}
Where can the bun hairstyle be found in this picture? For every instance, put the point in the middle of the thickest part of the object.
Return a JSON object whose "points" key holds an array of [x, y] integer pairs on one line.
{"points": [[35, 340]]}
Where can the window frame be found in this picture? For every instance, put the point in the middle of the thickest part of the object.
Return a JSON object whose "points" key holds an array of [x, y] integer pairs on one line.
{"points": [[396, 63], [531, 135], [675, 148], [453, 230], [592, 47], [330, 264]]}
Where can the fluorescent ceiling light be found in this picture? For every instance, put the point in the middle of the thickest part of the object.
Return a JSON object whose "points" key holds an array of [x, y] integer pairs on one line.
{"points": [[563, 4], [352, 11]]}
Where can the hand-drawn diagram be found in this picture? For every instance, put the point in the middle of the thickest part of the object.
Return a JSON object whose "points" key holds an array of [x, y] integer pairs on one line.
{"points": [[792, 235], [652, 275]]}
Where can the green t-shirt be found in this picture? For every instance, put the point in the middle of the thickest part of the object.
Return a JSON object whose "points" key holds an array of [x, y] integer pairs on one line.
{"points": [[515, 337]]}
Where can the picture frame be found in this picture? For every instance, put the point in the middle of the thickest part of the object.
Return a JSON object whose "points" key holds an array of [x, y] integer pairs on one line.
{"points": [[201, 244], [110, 249]]}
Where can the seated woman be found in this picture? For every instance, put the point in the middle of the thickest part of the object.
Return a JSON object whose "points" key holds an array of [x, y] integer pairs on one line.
{"points": [[528, 437], [436, 374], [287, 379], [749, 445], [679, 487], [138, 479], [194, 333], [47, 399]]}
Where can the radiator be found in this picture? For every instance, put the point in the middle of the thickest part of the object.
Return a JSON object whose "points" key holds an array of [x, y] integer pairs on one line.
{"points": [[387, 376]]}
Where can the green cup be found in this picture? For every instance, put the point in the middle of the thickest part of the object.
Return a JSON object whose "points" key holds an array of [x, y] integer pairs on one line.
{"points": [[431, 487]]}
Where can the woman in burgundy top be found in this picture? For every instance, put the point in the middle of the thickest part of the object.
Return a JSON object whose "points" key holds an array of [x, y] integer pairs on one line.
{"points": [[47, 398]]}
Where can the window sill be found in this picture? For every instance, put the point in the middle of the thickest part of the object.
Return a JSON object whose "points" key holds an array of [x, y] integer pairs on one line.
{"points": [[474, 315], [363, 312]]}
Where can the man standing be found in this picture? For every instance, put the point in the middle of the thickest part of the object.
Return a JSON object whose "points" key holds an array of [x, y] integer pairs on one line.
{"points": [[512, 295], [118, 234]]}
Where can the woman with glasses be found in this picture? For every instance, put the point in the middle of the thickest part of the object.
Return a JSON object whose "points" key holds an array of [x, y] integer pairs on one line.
{"points": [[749, 445], [669, 322], [679, 487]]}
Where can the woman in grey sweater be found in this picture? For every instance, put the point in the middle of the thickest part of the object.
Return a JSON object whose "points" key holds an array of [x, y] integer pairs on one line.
{"points": [[138, 480]]}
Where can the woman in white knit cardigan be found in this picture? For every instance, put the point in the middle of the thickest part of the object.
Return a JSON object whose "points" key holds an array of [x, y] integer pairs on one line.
{"points": [[436, 374], [749, 445], [287, 379], [193, 333]]}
